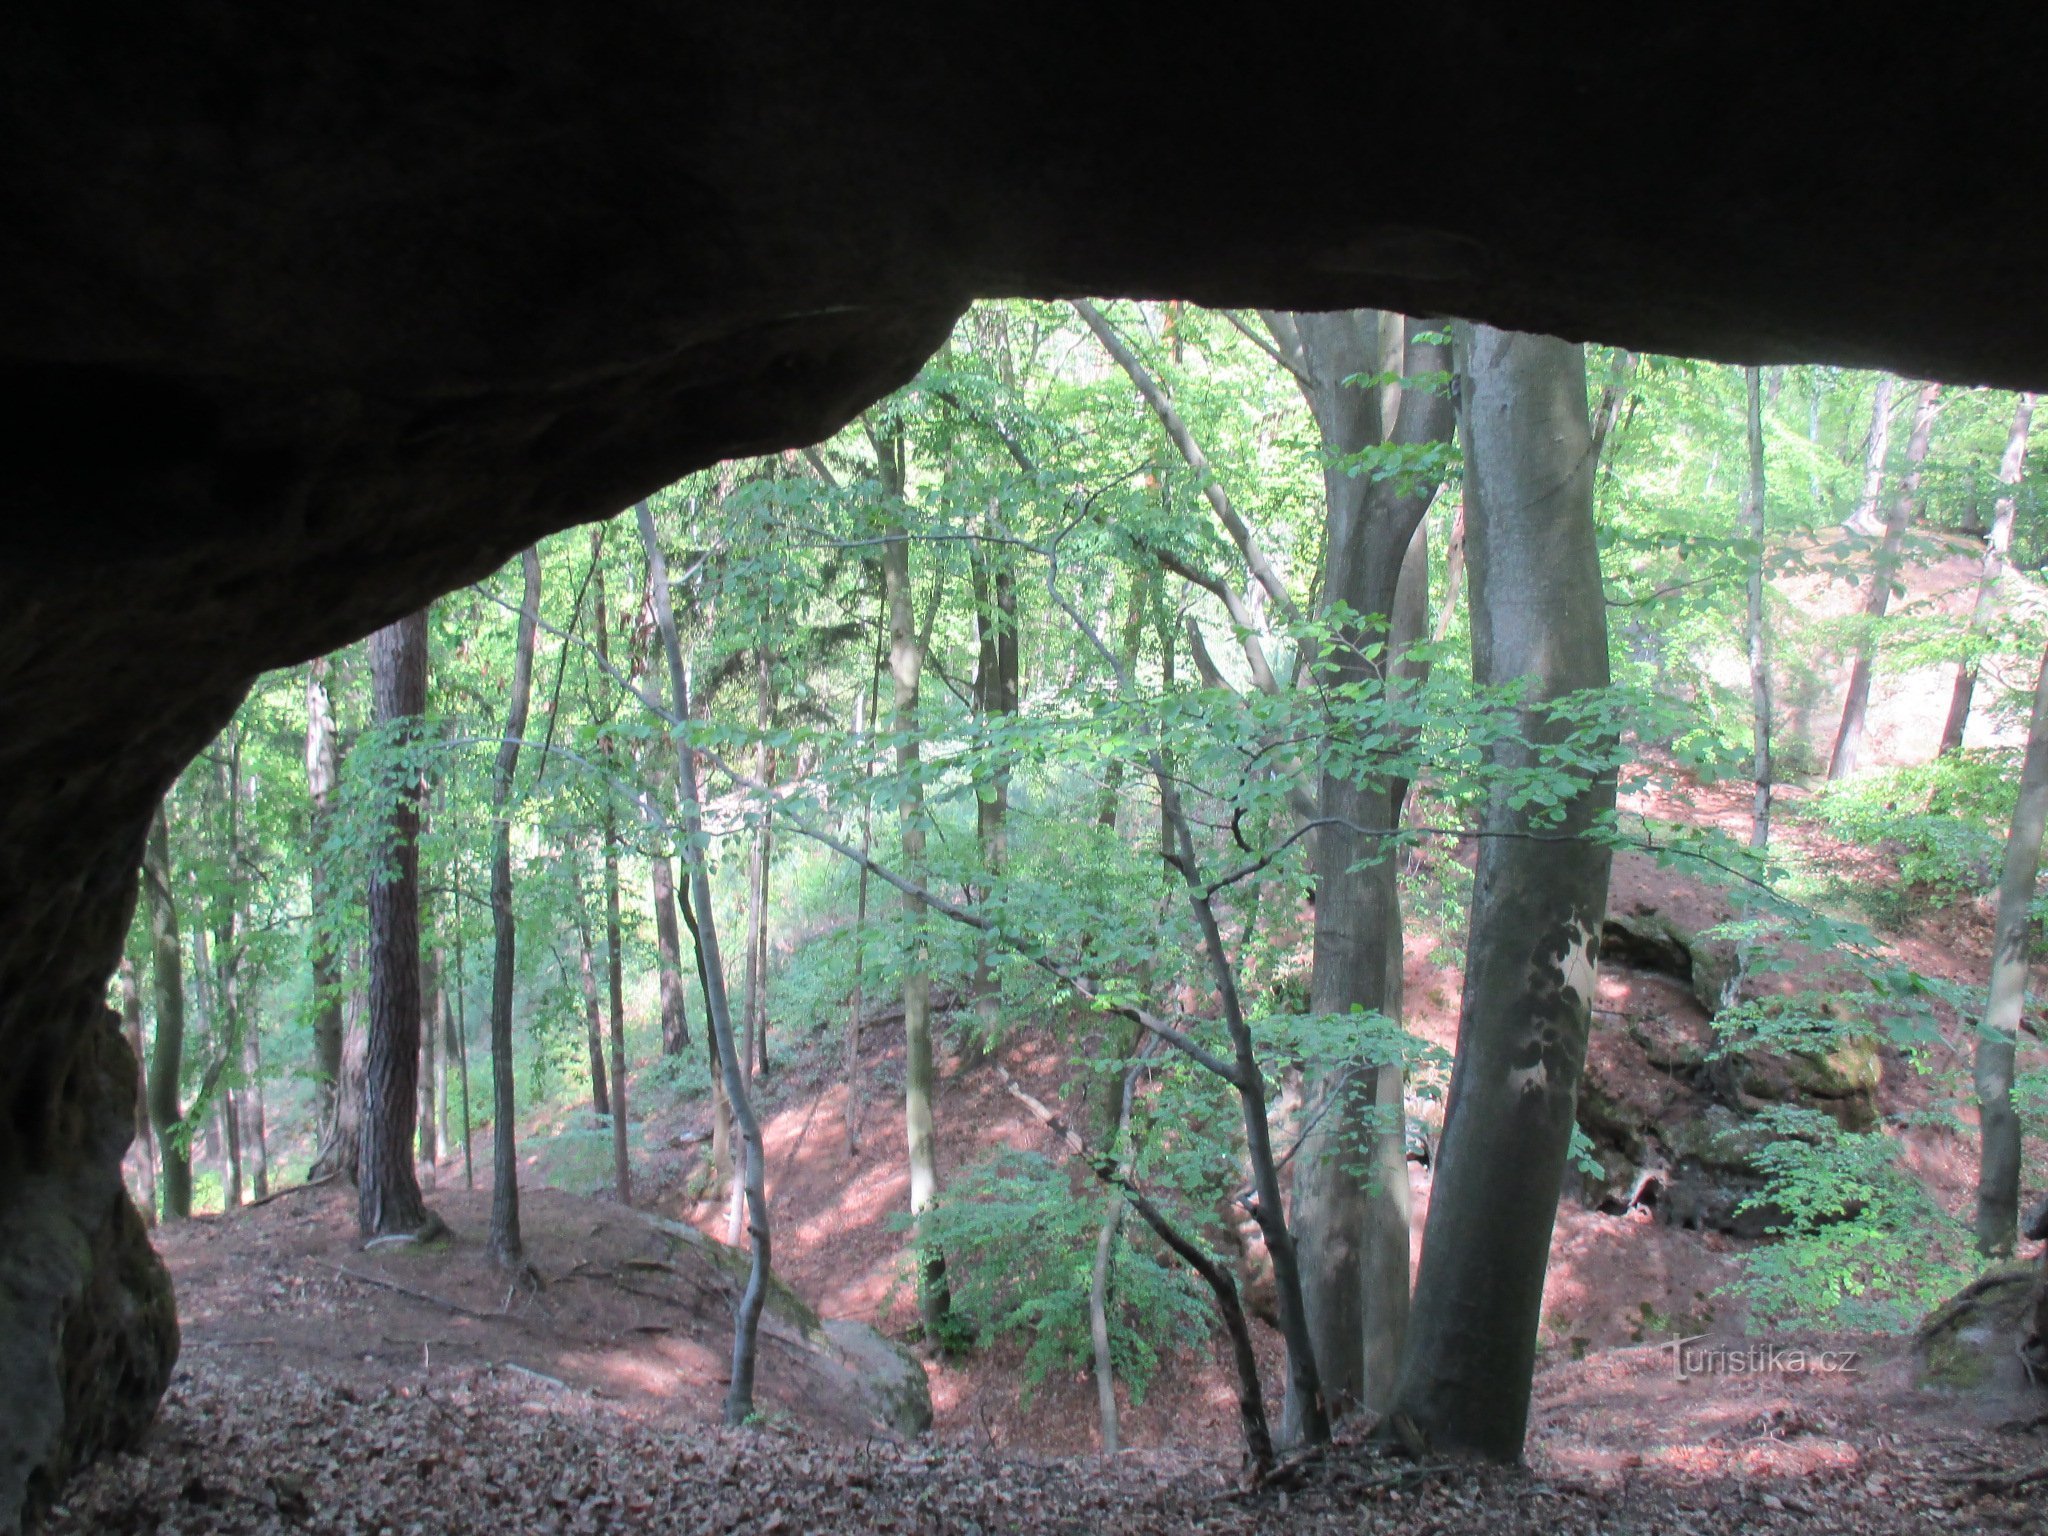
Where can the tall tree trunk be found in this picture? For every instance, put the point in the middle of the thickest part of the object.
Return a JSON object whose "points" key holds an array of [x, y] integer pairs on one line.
{"points": [[995, 704], [387, 1183], [1864, 519], [1538, 613], [2012, 464], [1759, 641], [668, 944], [507, 1246], [906, 663], [614, 958], [1848, 748], [760, 867], [167, 1058], [321, 768], [340, 1156], [593, 1017], [1998, 1176], [145, 1143], [739, 1398], [863, 728], [461, 1037], [1351, 1213], [433, 1032], [255, 1147], [212, 1099]]}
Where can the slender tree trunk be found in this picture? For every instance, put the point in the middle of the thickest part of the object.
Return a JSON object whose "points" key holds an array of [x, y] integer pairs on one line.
{"points": [[1538, 613], [668, 944], [507, 1247], [593, 1017], [321, 768], [387, 1183], [1351, 1211], [760, 866], [906, 663], [145, 1143], [614, 958], [739, 1399], [1998, 1176], [462, 1033], [167, 1059], [348, 1103], [863, 727], [1848, 749], [1864, 519], [995, 702], [433, 1031], [2012, 465], [255, 1148], [1758, 635]]}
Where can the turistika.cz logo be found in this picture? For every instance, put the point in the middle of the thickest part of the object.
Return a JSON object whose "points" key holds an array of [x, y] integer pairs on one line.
{"points": [[1693, 1357]]}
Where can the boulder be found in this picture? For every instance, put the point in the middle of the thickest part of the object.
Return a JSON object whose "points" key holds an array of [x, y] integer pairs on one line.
{"points": [[1988, 1337]]}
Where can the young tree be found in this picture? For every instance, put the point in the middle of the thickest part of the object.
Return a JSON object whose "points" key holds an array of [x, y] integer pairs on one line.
{"points": [[1863, 518], [507, 1247], [1755, 632], [1538, 619], [322, 767], [2012, 465], [1998, 1168], [614, 959], [739, 1399], [920, 1082], [387, 1183], [167, 1061], [1877, 596]]}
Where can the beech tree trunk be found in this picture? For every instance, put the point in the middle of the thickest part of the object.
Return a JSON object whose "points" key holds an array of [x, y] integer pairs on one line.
{"points": [[1849, 736], [995, 704], [1998, 1175], [322, 763], [1538, 613], [668, 945], [906, 663], [1350, 1178], [593, 1018], [863, 727], [739, 1398], [614, 959], [1864, 519], [167, 1056], [387, 1182], [507, 1247], [1758, 635], [2012, 464]]}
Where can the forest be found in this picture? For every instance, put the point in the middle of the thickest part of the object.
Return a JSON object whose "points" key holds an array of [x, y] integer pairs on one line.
{"points": [[1281, 905]]}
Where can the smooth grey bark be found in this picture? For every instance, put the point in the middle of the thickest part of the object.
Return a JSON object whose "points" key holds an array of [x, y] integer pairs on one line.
{"points": [[322, 767], [593, 1017], [1998, 1168], [167, 1057], [1863, 518], [668, 946], [387, 1181], [995, 703], [1757, 634], [614, 930], [1538, 615], [1350, 1179], [1848, 749], [739, 1399], [507, 1246], [863, 726], [906, 664], [461, 1036], [2012, 464], [433, 1004]]}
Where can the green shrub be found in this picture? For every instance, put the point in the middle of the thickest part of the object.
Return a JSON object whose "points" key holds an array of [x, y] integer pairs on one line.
{"points": [[1945, 821], [1020, 1250], [1862, 1246]]}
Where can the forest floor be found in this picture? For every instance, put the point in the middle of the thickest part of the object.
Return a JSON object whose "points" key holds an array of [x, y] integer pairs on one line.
{"points": [[328, 1389]]}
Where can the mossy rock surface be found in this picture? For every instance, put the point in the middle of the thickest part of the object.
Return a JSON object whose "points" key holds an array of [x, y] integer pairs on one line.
{"points": [[1971, 1343]]}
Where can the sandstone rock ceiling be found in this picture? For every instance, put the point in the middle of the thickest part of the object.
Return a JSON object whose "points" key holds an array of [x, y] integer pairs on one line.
{"points": [[312, 312]]}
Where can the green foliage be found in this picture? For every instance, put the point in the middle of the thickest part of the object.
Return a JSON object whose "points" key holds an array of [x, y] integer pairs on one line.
{"points": [[1861, 1244], [1021, 1248], [1943, 821]]}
